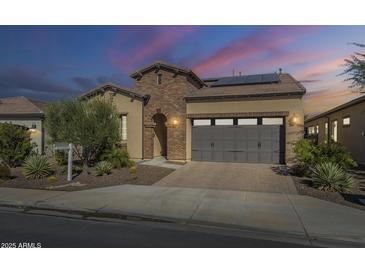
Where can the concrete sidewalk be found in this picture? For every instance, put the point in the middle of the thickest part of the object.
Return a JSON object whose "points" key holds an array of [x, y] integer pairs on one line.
{"points": [[293, 215]]}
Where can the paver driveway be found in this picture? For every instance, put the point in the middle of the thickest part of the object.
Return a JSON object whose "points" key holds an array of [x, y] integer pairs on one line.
{"points": [[231, 176]]}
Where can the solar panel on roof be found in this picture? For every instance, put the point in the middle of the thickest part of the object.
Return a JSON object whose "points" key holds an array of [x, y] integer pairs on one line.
{"points": [[247, 80]]}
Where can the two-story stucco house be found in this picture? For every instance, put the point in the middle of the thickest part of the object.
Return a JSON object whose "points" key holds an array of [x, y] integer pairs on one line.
{"points": [[172, 112]]}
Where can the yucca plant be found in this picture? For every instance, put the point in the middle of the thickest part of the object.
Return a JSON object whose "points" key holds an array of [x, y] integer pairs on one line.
{"points": [[102, 168], [330, 176], [37, 167]]}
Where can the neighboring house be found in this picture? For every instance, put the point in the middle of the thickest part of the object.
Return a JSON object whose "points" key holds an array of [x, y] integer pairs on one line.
{"points": [[344, 124], [171, 112], [25, 112]]}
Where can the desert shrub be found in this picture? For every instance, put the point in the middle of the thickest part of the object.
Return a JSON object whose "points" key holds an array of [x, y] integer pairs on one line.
{"points": [[118, 158], [133, 170], [61, 158], [76, 169], [15, 144], [335, 153], [51, 179], [37, 167], [5, 172], [103, 168], [309, 155], [330, 176], [92, 125]]}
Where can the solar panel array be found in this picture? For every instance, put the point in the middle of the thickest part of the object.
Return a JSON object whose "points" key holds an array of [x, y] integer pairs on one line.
{"points": [[247, 80]]}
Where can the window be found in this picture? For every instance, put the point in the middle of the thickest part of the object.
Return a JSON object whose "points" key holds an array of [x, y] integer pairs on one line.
{"points": [[311, 130], [224, 122], [124, 127], [317, 129], [346, 121], [272, 121], [334, 131], [159, 79], [326, 131], [247, 121], [201, 122]]}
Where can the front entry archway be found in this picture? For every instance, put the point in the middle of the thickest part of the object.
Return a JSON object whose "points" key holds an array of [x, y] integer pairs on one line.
{"points": [[160, 135]]}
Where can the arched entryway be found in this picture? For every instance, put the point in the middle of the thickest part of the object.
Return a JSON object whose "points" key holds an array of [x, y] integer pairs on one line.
{"points": [[160, 135]]}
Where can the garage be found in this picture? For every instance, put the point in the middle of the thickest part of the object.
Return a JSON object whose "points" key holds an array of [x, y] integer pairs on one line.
{"points": [[254, 140]]}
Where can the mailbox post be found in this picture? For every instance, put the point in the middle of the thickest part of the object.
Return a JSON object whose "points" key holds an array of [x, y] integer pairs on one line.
{"points": [[69, 149]]}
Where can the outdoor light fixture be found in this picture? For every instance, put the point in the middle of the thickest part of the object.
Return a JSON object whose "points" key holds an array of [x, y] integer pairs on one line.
{"points": [[33, 128], [294, 120], [175, 122]]}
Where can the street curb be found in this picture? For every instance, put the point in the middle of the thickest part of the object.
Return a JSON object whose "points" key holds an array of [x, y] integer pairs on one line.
{"points": [[310, 241]]}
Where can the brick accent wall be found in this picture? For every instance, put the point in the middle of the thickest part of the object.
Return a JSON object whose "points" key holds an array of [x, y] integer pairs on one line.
{"points": [[167, 98]]}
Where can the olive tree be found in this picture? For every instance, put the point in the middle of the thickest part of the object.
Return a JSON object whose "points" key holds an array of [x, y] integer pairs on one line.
{"points": [[91, 125]]}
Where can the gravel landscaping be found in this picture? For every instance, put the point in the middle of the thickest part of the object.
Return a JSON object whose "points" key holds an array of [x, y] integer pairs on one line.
{"points": [[146, 175], [352, 199]]}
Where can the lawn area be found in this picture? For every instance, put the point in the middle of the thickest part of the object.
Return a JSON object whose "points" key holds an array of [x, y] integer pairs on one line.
{"points": [[352, 199], [146, 175]]}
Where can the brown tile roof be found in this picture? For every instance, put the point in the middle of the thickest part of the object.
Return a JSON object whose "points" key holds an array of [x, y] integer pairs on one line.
{"points": [[351, 103], [114, 87], [170, 67], [286, 86], [21, 106]]}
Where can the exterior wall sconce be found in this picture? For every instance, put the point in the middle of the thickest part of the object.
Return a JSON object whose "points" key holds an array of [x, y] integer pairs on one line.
{"points": [[175, 122], [294, 120], [33, 128]]}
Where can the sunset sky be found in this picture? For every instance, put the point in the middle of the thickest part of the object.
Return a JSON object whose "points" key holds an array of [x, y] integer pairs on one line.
{"points": [[58, 62]]}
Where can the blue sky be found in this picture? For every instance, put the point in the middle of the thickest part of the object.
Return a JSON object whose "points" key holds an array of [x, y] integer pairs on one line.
{"points": [[57, 62]]}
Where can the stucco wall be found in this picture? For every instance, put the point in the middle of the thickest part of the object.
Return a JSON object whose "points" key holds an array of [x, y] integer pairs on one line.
{"points": [[134, 108], [353, 136], [293, 106], [36, 134]]}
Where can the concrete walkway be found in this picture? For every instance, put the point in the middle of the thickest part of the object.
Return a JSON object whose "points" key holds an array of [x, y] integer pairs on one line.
{"points": [[316, 221], [231, 176], [161, 162]]}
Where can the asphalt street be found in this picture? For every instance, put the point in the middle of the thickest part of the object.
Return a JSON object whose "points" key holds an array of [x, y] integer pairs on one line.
{"points": [[19, 229]]}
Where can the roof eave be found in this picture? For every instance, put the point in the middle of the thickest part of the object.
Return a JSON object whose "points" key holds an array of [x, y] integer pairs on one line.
{"points": [[243, 96]]}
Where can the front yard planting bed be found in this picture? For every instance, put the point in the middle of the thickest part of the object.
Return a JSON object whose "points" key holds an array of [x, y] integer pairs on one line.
{"points": [[304, 187], [146, 175]]}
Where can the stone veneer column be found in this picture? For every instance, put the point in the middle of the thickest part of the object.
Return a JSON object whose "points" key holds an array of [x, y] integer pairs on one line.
{"points": [[148, 141]]}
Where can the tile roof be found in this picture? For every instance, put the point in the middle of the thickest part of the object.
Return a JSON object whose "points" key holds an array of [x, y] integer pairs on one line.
{"points": [[355, 101], [171, 67], [287, 85], [21, 106]]}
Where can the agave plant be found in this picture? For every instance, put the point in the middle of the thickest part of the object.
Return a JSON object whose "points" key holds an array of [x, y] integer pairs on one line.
{"points": [[103, 167], [330, 176], [36, 167]]}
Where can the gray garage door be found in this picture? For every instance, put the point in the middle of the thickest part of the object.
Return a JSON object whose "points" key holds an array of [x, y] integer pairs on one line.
{"points": [[245, 144]]}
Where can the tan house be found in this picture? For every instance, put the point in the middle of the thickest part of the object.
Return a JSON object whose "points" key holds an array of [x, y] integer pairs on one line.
{"points": [[344, 124], [27, 113], [172, 112]]}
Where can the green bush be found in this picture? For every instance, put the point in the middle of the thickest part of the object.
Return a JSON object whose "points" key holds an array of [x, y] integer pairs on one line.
{"points": [[330, 176], [37, 167], [5, 172], [118, 158], [309, 155], [15, 144], [103, 168]]}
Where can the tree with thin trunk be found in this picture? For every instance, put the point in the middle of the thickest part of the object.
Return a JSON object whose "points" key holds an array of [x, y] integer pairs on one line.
{"points": [[91, 125], [355, 69]]}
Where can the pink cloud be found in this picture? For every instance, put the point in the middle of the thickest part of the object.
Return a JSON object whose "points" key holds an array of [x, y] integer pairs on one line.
{"points": [[150, 47], [321, 69], [267, 39]]}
